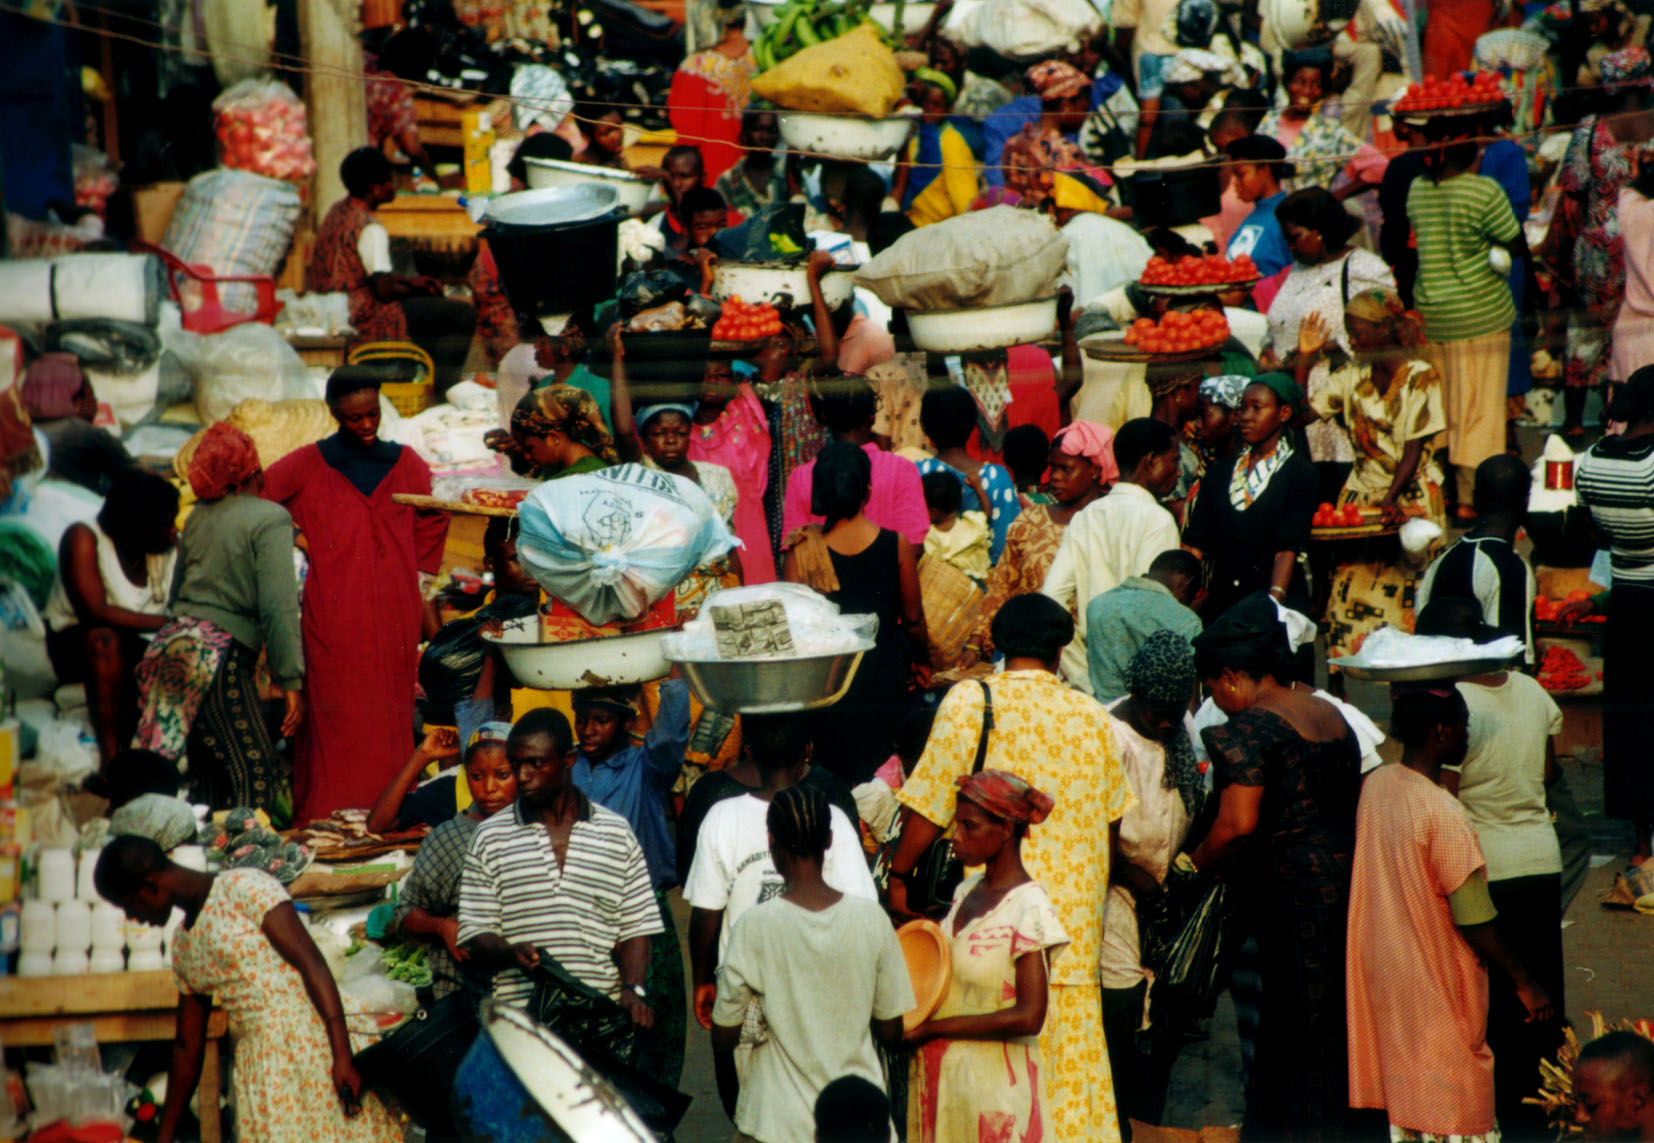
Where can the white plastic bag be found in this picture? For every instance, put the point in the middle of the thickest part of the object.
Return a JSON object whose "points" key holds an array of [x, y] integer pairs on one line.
{"points": [[246, 360], [815, 622], [1029, 30], [611, 544]]}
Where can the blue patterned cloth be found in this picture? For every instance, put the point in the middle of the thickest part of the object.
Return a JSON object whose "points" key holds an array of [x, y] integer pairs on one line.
{"points": [[1003, 504]]}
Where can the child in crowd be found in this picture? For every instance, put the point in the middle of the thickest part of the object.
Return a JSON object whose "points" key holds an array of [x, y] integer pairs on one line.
{"points": [[427, 907], [955, 537], [1258, 166], [603, 135], [824, 971]]}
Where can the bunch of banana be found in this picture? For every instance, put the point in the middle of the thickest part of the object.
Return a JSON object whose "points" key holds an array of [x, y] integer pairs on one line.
{"points": [[800, 24]]}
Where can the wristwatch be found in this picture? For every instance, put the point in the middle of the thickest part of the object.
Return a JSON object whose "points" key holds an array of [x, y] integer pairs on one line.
{"points": [[642, 994]]}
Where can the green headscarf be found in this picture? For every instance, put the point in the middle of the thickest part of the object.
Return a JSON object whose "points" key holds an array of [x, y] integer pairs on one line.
{"points": [[1285, 389]]}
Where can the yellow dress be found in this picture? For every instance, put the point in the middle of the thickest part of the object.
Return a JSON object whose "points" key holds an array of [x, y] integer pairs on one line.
{"points": [[985, 1091], [1061, 742], [283, 1065]]}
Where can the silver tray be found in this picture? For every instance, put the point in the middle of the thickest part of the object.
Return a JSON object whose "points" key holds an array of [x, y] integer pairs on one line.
{"points": [[1425, 673]]}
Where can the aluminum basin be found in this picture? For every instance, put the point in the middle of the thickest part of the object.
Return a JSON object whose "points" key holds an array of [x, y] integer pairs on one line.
{"points": [[616, 660], [771, 686]]}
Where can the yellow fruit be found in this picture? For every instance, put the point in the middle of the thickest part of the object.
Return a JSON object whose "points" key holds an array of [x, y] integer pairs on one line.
{"points": [[853, 74]]}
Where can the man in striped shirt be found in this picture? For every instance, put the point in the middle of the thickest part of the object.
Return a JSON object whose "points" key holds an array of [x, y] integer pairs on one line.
{"points": [[1457, 218], [557, 875]]}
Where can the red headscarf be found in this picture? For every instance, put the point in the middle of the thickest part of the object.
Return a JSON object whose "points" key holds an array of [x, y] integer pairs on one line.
{"points": [[1004, 795], [225, 459], [1094, 442]]}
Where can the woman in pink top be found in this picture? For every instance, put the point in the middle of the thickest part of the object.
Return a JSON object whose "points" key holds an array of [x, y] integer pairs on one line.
{"points": [[1633, 343], [731, 429]]}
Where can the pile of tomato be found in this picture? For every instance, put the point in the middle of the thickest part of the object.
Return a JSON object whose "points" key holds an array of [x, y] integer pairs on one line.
{"points": [[1436, 94], [1179, 331], [1548, 610], [742, 321], [1562, 670], [1213, 269], [1345, 516]]}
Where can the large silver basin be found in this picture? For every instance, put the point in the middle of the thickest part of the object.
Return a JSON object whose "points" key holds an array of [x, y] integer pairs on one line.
{"points": [[771, 686]]}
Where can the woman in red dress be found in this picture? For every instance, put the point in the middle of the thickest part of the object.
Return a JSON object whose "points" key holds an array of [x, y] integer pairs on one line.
{"points": [[362, 612]]}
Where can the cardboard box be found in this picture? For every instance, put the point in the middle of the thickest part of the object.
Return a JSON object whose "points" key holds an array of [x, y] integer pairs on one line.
{"points": [[152, 208]]}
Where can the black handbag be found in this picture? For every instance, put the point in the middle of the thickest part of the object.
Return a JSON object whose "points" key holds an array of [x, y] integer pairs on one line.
{"points": [[938, 872]]}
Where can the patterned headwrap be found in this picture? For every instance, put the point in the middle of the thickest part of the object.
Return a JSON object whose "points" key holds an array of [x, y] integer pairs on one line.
{"points": [[1094, 442], [225, 459], [51, 384], [568, 410], [1626, 69], [1004, 795], [938, 79], [1163, 672], [1054, 79], [1385, 308], [1225, 390]]}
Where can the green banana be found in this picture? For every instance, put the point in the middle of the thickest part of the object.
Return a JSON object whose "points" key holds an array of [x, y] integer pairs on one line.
{"points": [[805, 33], [764, 55]]}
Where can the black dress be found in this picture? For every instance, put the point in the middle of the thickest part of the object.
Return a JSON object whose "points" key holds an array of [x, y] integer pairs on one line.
{"points": [[1241, 543], [857, 735]]}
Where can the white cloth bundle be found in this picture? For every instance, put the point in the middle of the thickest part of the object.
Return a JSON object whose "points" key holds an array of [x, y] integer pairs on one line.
{"points": [[126, 287]]}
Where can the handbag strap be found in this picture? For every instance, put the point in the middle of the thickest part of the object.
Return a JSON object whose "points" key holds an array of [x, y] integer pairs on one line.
{"points": [[987, 726]]}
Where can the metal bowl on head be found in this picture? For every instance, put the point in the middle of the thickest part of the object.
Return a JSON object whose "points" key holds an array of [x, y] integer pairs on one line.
{"points": [[985, 327], [612, 661], [783, 285], [631, 191], [771, 686], [844, 136]]}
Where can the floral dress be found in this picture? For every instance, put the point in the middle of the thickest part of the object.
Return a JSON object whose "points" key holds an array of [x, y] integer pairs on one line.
{"points": [[283, 1064], [985, 1091], [1030, 545], [1372, 586], [1592, 173]]}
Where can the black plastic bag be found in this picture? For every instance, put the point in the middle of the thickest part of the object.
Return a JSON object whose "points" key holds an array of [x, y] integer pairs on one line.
{"points": [[1188, 936], [453, 659], [774, 233], [647, 289]]}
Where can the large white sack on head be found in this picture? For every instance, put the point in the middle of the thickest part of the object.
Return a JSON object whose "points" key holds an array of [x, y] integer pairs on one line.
{"points": [[994, 257], [611, 544]]}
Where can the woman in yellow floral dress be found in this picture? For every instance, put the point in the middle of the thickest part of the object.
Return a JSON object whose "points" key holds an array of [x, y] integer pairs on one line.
{"points": [[1061, 742], [976, 1071], [242, 945], [1389, 400]]}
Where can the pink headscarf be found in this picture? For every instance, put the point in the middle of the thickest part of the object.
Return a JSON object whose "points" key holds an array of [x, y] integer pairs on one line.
{"points": [[1094, 442], [1053, 80]]}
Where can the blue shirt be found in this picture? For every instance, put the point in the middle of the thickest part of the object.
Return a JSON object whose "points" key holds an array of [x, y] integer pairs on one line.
{"points": [[1118, 621], [1260, 236], [633, 780]]}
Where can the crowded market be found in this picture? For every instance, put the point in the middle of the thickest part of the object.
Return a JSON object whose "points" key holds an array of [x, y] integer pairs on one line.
{"points": [[954, 571]]}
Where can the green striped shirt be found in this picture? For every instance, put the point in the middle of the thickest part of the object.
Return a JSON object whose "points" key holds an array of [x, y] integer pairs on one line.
{"points": [[1454, 224]]}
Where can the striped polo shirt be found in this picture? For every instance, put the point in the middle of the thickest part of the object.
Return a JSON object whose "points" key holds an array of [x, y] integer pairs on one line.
{"points": [[601, 896], [1455, 222], [1615, 480]]}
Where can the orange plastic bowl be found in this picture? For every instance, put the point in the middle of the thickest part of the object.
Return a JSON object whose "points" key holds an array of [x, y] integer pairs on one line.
{"points": [[929, 967]]}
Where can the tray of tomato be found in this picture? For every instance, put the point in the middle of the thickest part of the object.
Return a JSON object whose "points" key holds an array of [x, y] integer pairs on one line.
{"points": [[743, 323], [1178, 335], [1436, 97], [1189, 275], [1562, 670], [1350, 522]]}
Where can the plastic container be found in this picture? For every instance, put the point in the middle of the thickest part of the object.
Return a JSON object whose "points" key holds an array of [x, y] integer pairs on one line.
{"points": [[74, 926], [108, 927], [57, 875], [70, 962], [106, 960], [34, 964], [146, 961], [85, 887], [141, 937], [37, 928]]}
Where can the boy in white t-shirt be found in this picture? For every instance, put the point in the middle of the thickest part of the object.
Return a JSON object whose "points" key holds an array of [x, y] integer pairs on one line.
{"points": [[733, 869]]}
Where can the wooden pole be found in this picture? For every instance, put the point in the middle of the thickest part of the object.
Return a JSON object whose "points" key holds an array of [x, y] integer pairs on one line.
{"points": [[334, 92]]}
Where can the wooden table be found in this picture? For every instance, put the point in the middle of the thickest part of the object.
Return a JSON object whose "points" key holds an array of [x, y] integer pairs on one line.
{"points": [[122, 1008]]}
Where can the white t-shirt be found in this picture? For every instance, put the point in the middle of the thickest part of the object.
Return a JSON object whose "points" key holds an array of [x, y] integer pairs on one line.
{"points": [[1502, 781], [821, 979], [733, 870], [1150, 835], [373, 246]]}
